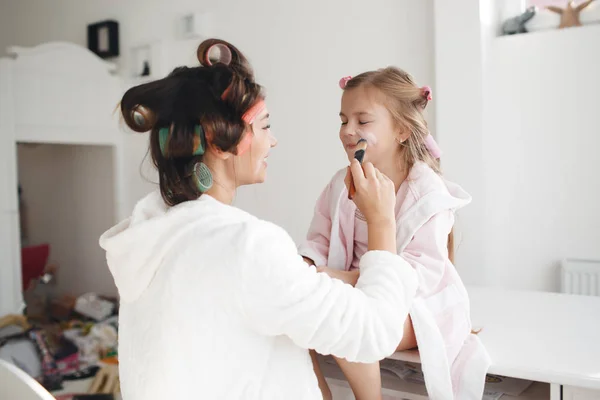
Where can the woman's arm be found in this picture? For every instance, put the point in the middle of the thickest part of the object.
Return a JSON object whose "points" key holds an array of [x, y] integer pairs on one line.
{"points": [[280, 296], [349, 277]]}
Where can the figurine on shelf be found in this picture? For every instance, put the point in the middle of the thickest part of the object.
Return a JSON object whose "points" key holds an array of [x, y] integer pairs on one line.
{"points": [[569, 16], [517, 24], [146, 70]]}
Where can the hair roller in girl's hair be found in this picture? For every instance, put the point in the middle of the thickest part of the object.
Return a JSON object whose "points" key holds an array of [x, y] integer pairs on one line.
{"points": [[344, 81], [426, 92]]}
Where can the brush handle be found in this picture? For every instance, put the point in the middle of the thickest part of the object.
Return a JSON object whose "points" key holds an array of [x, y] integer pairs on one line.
{"points": [[359, 155], [351, 190]]}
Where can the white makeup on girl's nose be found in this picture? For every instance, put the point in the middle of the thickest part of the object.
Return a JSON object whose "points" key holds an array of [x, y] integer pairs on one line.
{"points": [[368, 136]]}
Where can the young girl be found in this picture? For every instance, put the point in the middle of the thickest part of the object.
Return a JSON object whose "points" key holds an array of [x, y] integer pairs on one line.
{"points": [[385, 107]]}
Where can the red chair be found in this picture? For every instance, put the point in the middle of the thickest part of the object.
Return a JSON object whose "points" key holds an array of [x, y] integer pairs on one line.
{"points": [[33, 263]]}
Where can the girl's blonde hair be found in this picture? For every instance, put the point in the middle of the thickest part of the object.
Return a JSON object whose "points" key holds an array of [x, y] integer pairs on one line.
{"points": [[406, 102]]}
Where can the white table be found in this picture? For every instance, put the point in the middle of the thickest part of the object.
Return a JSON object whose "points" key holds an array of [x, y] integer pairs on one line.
{"points": [[544, 337], [552, 339]]}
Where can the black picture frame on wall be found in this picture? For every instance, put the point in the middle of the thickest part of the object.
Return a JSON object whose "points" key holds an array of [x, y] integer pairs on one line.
{"points": [[103, 38]]}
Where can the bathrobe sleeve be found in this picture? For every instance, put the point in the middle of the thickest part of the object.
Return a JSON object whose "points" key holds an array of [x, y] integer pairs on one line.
{"points": [[279, 295]]}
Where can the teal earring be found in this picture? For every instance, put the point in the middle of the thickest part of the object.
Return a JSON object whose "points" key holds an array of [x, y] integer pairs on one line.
{"points": [[202, 177]]}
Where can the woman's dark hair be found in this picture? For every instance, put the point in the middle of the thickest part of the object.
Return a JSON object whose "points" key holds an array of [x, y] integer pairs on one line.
{"points": [[187, 97]]}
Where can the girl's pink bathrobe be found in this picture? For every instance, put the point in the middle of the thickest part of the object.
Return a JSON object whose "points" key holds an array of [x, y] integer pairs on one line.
{"points": [[454, 361]]}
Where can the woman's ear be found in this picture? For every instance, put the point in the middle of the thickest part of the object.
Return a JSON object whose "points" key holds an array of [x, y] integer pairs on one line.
{"points": [[215, 152]]}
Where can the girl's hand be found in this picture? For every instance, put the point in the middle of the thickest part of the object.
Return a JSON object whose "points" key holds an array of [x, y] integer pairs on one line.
{"points": [[349, 277]]}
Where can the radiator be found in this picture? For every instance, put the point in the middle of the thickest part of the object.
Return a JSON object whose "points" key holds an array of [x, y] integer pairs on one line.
{"points": [[580, 277]]}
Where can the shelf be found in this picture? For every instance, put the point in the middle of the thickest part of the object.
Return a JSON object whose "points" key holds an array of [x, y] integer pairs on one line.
{"points": [[588, 33]]}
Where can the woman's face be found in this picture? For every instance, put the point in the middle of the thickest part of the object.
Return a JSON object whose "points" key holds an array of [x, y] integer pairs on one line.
{"points": [[251, 167]]}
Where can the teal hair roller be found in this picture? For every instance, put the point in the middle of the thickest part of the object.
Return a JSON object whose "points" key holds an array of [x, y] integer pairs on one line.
{"points": [[163, 135], [199, 140]]}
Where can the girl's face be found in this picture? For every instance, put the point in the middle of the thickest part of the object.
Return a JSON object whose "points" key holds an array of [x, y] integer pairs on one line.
{"points": [[363, 115], [252, 165]]}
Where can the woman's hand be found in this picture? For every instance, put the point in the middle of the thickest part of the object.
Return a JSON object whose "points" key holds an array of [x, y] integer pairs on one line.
{"points": [[376, 198], [349, 277], [375, 194]]}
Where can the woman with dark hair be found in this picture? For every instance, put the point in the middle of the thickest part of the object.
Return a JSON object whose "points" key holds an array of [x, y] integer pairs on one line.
{"points": [[215, 303]]}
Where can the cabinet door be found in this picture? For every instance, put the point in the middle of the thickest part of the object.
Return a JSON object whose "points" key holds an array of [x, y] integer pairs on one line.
{"points": [[575, 393], [10, 256]]}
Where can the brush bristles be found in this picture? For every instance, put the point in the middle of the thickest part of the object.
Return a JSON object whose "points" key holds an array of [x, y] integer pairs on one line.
{"points": [[361, 145]]}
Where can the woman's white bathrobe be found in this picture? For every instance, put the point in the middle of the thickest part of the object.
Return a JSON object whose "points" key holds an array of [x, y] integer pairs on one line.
{"points": [[216, 304]]}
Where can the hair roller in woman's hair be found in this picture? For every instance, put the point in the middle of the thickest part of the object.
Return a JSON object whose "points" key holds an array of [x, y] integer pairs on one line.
{"points": [[143, 119], [218, 54]]}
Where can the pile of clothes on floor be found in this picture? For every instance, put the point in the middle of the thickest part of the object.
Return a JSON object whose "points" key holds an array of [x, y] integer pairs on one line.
{"points": [[57, 350]]}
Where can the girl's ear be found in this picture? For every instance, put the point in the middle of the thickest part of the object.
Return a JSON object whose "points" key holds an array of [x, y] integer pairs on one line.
{"points": [[402, 134]]}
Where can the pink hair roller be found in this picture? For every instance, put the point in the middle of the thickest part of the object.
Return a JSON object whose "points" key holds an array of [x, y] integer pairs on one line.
{"points": [[427, 93], [344, 81], [221, 54]]}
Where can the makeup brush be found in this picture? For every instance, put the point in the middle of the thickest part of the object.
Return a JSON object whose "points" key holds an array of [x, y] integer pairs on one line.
{"points": [[359, 154]]}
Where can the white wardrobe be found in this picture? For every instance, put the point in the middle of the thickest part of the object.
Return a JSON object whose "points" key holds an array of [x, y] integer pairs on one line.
{"points": [[61, 139]]}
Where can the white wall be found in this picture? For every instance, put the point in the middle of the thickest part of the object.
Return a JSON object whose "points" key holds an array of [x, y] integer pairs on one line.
{"points": [[541, 144], [459, 117], [68, 192], [518, 118], [299, 51]]}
